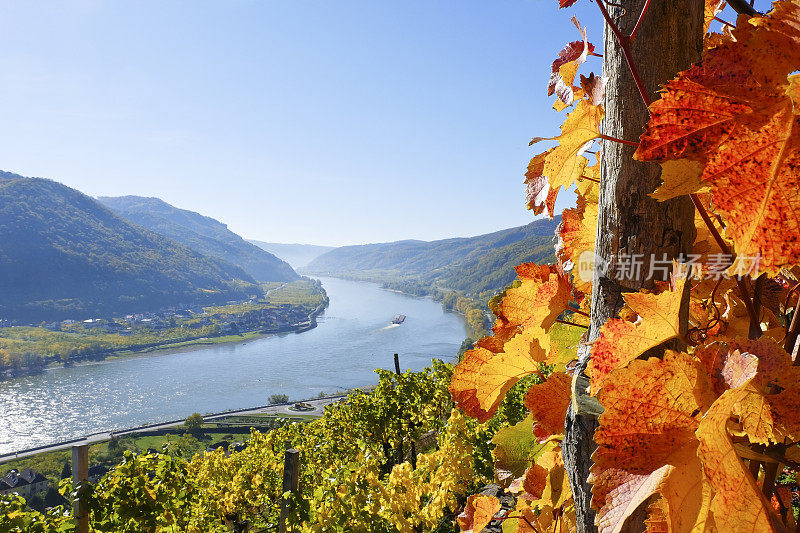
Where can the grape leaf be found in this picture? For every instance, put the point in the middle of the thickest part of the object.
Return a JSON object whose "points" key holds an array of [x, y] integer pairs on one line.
{"points": [[622, 341], [543, 294], [565, 3], [564, 164], [646, 442], [737, 504], [515, 449], [576, 234], [680, 177], [565, 67], [734, 113], [537, 187], [548, 404], [478, 512]]}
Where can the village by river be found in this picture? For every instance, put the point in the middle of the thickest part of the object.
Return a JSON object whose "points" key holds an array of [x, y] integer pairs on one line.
{"points": [[355, 335]]}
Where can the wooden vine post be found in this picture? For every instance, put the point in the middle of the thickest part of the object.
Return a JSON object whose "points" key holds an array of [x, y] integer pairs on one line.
{"points": [[80, 476], [633, 228]]}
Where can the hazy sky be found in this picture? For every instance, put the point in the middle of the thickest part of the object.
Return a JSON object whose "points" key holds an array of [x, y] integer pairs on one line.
{"points": [[325, 122]]}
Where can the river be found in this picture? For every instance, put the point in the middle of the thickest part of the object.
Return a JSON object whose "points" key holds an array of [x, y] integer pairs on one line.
{"points": [[354, 336]]}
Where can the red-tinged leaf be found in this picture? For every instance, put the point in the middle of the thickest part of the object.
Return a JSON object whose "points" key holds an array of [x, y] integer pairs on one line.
{"points": [[478, 513], [463, 387], [622, 341], [729, 368], [565, 3], [537, 191], [734, 112], [548, 404], [565, 67], [646, 442], [576, 235]]}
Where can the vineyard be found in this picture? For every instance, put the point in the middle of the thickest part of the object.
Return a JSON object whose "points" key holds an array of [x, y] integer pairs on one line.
{"points": [[637, 384]]}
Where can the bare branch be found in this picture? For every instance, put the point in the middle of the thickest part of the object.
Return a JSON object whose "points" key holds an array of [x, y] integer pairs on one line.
{"points": [[743, 8]]}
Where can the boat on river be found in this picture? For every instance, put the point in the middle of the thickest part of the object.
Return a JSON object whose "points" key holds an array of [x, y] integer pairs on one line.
{"points": [[398, 319]]}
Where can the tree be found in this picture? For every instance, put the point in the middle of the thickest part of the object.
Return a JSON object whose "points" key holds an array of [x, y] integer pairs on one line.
{"points": [[630, 222], [278, 398], [194, 422]]}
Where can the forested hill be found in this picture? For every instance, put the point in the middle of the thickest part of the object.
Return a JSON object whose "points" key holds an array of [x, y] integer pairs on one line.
{"points": [[297, 255], [474, 265], [64, 255], [202, 234]]}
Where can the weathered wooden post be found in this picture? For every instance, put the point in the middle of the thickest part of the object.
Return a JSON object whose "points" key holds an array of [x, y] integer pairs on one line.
{"points": [[80, 476], [291, 483], [397, 364]]}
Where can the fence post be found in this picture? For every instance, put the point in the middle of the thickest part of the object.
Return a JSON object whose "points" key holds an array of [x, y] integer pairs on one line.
{"points": [[291, 483], [397, 364], [80, 475]]}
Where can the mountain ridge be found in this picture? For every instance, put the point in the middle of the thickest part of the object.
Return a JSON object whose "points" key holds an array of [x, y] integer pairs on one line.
{"points": [[65, 255], [201, 233]]}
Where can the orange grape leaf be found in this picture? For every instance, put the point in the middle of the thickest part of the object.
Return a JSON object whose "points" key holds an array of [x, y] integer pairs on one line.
{"points": [[734, 113], [478, 512], [542, 295], [565, 3], [566, 163], [548, 404], [576, 234], [621, 341], [646, 442], [737, 504], [463, 387], [680, 177]]}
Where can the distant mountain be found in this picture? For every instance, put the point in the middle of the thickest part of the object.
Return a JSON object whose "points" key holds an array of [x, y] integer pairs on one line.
{"points": [[297, 255], [202, 234], [478, 265], [65, 255]]}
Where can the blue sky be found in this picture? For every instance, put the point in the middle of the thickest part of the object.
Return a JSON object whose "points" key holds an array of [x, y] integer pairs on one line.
{"points": [[325, 122]]}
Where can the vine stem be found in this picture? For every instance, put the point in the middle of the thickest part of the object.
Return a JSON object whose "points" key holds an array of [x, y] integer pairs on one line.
{"points": [[568, 323], [748, 303], [587, 315], [625, 43], [639, 22], [616, 140]]}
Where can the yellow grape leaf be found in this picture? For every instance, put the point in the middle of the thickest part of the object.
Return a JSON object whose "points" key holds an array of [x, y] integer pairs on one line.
{"points": [[680, 177], [520, 357], [621, 341], [737, 505], [646, 441], [734, 112], [548, 404], [712, 9], [565, 163], [542, 295], [793, 92], [478, 513], [515, 448], [576, 234]]}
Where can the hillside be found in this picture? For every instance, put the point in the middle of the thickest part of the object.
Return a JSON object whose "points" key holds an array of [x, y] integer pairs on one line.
{"points": [[297, 255], [202, 234], [64, 255], [477, 266]]}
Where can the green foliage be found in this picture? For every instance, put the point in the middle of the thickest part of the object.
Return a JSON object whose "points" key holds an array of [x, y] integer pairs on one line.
{"points": [[64, 255], [202, 234], [194, 422], [278, 398]]}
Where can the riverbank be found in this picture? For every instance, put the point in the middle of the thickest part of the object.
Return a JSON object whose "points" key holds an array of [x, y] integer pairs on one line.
{"points": [[291, 308]]}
